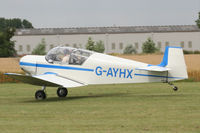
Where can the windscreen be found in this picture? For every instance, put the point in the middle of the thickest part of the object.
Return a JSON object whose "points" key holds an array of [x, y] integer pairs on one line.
{"points": [[79, 56], [67, 55]]}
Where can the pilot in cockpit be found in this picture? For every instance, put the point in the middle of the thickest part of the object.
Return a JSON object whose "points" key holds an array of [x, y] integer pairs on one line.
{"points": [[66, 56]]}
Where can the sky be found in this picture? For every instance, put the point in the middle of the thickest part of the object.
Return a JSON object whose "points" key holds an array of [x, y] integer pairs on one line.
{"points": [[98, 13]]}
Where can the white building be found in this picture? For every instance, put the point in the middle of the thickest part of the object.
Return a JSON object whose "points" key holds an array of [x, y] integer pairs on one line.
{"points": [[115, 38]]}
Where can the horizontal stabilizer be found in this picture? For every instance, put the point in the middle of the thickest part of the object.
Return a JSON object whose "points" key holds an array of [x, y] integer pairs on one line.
{"points": [[154, 68]]}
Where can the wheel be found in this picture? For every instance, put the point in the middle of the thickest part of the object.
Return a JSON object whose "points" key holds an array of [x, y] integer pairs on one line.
{"points": [[175, 88], [62, 92], [40, 95]]}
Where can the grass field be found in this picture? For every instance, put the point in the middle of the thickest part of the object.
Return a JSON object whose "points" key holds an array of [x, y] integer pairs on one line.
{"points": [[127, 108]]}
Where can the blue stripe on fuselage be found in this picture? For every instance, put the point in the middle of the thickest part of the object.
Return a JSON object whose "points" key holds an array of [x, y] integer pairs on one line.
{"points": [[84, 69], [55, 66], [27, 64]]}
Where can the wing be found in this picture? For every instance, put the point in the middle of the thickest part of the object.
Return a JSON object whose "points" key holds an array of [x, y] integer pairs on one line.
{"points": [[154, 68], [47, 79]]}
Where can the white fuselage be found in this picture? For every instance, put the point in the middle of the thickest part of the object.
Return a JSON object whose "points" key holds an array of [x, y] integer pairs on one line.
{"points": [[97, 69]]}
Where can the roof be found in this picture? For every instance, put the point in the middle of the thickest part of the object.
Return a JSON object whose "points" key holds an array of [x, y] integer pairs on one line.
{"points": [[108, 30]]}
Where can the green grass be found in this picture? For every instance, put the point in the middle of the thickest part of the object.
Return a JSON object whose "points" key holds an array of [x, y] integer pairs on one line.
{"points": [[127, 108]]}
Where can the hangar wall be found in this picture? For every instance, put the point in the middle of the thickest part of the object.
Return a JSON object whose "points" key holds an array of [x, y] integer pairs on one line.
{"points": [[114, 42]]}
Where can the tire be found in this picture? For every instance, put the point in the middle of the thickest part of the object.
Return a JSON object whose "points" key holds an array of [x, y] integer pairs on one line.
{"points": [[62, 92], [40, 95], [175, 88]]}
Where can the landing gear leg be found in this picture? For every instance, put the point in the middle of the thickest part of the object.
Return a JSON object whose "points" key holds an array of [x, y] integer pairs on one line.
{"points": [[40, 94], [175, 88]]}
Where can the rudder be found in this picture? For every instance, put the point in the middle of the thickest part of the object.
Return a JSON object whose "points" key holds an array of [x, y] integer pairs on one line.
{"points": [[174, 60]]}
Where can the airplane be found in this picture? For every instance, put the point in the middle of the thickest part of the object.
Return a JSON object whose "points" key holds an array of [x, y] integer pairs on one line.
{"points": [[66, 67]]}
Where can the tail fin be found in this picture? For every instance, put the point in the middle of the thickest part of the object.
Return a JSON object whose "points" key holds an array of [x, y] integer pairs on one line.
{"points": [[174, 60]]}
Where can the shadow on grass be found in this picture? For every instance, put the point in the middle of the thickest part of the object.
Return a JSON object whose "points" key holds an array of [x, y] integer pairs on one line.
{"points": [[142, 96], [54, 99]]}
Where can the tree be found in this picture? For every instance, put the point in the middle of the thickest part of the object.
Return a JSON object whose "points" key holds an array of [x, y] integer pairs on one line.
{"points": [[129, 49], [40, 48], [90, 44], [2, 24], [198, 21], [6, 45], [14, 23], [149, 46], [26, 24], [99, 47], [7, 30]]}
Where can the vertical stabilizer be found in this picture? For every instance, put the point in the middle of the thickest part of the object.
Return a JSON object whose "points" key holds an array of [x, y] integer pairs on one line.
{"points": [[174, 60]]}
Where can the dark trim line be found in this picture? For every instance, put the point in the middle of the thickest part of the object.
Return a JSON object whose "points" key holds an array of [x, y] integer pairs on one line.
{"points": [[158, 76]]}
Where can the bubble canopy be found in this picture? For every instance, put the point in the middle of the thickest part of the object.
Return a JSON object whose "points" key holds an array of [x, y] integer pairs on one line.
{"points": [[67, 55]]}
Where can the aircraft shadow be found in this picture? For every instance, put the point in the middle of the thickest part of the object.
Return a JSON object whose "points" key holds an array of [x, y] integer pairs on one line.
{"points": [[54, 99]]}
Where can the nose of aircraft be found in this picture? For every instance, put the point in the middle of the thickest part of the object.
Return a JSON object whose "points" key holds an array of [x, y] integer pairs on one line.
{"points": [[28, 64], [28, 59], [23, 59]]}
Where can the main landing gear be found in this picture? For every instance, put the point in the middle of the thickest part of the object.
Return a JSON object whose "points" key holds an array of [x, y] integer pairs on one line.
{"points": [[62, 92], [41, 95], [175, 88]]}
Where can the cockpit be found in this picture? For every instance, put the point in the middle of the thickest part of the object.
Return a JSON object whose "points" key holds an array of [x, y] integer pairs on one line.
{"points": [[67, 55]]}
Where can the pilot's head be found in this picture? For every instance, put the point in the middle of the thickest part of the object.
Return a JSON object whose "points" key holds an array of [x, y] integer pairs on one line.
{"points": [[66, 52]]}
